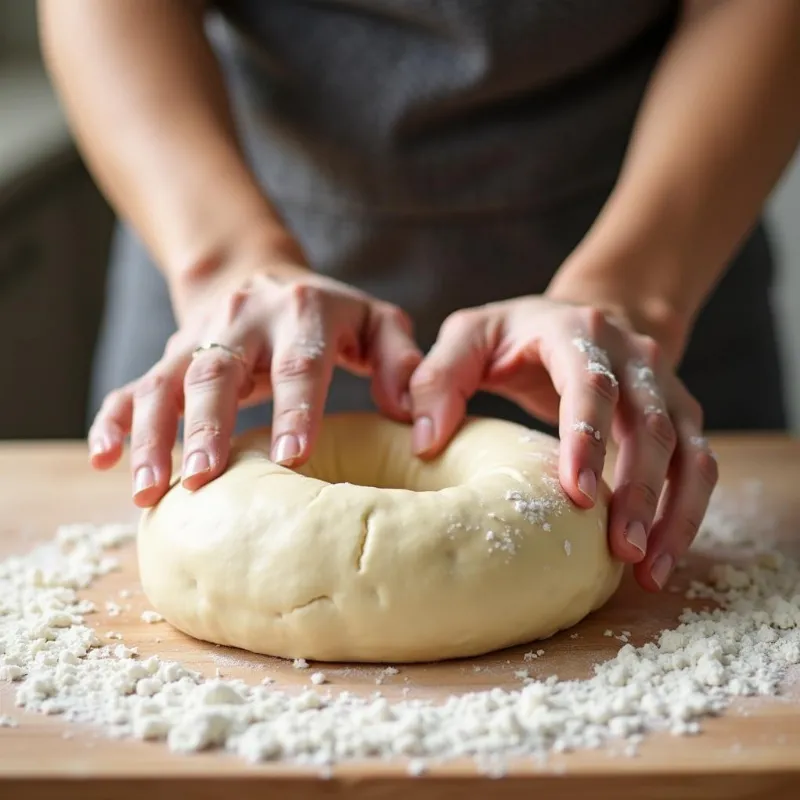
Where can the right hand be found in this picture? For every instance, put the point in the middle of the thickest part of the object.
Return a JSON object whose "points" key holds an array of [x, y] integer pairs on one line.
{"points": [[291, 330]]}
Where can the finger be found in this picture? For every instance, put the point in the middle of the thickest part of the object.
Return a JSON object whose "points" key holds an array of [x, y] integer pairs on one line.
{"points": [[111, 425], [156, 404], [446, 378], [647, 440], [215, 380], [302, 367], [693, 475], [582, 373], [394, 356]]}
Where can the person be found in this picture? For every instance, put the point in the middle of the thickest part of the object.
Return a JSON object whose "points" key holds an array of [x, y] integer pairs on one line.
{"points": [[536, 210]]}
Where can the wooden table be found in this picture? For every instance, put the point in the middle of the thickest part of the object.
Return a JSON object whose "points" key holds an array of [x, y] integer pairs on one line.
{"points": [[752, 752]]}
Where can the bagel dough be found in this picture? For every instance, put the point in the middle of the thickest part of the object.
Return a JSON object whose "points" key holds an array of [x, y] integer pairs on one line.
{"points": [[369, 554]]}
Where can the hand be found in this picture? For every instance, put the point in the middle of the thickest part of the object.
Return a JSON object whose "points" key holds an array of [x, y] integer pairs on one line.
{"points": [[595, 377], [281, 338]]}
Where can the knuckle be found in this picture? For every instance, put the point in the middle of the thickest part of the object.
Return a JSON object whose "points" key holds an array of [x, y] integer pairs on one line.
{"points": [[430, 377], [293, 418], [407, 361], [113, 401], [143, 444], [396, 316], [592, 449], [706, 465], [150, 384], [594, 321], [295, 364], [202, 429], [688, 529], [660, 429], [460, 322], [237, 301], [647, 494], [210, 369], [303, 295], [174, 344], [602, 386], [650, 349], [391, 311]]}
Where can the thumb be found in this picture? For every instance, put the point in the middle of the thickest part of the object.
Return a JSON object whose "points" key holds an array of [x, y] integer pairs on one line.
{"points": [[447, 378], [393, 355]]}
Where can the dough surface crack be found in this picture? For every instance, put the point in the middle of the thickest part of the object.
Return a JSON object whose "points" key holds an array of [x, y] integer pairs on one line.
{"points": [[366, 519], [321, 598]]}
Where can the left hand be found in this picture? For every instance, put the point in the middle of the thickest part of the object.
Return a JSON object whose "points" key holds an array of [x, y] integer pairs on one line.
{"points": [[595, 376]]}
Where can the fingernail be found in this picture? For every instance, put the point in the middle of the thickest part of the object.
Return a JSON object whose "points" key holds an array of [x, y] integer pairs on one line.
{"points": [[144, 479], [422, 436], [636, 535], [662, 569], [587, 483], [196, 463], [100, 446], [286, 449]]}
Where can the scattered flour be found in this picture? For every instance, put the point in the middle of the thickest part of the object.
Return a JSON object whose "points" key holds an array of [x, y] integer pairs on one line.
{"points": [[504, 536], [113, 609], [643, 379], [738, 518], [700, 442], [311, 348], [585, 427], [59, 666], [151, 617], [533, 655], [597, 359], [388, 672], [417, 767]]}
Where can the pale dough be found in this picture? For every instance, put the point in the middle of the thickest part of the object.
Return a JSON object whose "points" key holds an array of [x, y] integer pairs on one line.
{"points": [[369, 554]]}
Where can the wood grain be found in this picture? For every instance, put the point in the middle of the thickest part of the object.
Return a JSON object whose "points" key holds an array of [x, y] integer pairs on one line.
{"points": [[751, 752]]}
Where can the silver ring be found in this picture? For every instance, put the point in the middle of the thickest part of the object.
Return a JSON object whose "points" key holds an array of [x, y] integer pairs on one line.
{"points": [[233, 353]]}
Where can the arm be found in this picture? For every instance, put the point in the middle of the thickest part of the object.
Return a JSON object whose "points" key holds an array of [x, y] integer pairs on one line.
{"points": [[147, 103], [718, 125]]}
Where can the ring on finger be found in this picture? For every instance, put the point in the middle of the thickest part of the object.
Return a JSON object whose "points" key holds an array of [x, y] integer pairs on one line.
{"points": [[233, 352]]}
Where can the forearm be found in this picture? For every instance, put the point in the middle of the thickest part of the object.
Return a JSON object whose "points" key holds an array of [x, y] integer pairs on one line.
{"points": [[718, 125], [149, 109]]}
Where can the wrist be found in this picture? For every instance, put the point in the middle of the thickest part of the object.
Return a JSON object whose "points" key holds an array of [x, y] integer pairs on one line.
{"points": [[622, 290], [266, 248]]}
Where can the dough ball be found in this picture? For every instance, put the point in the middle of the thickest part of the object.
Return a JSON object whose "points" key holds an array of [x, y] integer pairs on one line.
{"points": [[368, 554]]}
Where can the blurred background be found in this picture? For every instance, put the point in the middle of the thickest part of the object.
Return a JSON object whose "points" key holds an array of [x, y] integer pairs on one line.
{"points": [[55, 232]]}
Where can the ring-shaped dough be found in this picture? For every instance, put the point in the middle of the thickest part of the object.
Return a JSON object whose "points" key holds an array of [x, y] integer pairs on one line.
{"points": [[369, 554]]}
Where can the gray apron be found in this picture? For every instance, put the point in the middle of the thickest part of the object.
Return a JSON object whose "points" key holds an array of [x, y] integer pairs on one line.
{"points": [[441, 154]]}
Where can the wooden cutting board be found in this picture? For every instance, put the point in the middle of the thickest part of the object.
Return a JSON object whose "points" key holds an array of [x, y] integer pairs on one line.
{"points": [[751, 752]]}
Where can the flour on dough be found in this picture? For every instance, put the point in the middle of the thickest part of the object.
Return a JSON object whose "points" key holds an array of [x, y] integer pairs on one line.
{"points": [[369, 554]]}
